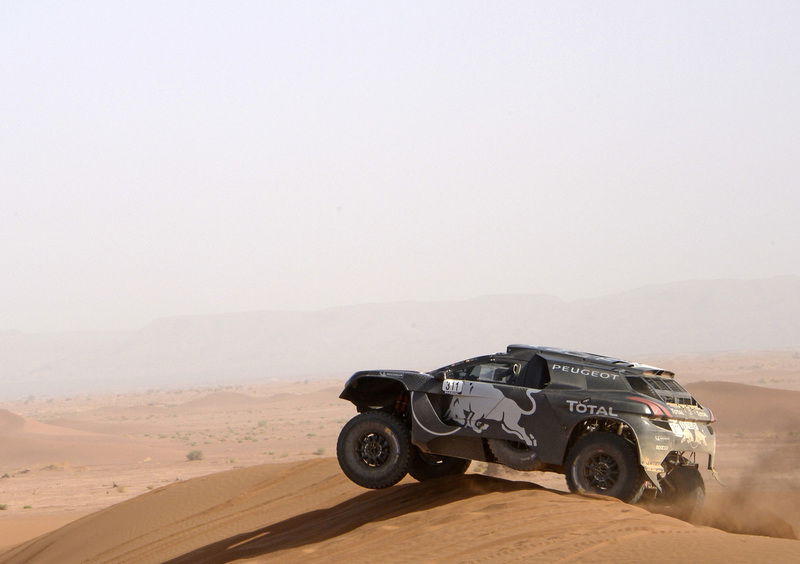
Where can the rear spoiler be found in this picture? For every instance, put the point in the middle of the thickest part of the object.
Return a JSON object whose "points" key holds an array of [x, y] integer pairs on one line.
{"points": [[662, 373]]}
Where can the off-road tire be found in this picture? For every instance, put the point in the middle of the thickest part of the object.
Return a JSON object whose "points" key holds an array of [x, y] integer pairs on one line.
{"points": [[425, 466], [683, 493], [605, 464], [374, 449], [514, 454]]}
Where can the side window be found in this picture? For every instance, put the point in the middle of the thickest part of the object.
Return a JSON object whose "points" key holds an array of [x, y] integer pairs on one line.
{"points": [[461, 372], [493, 372]]}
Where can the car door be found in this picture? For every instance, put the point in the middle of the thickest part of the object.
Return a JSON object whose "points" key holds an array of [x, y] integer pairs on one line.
{"points": [[486, 400]]}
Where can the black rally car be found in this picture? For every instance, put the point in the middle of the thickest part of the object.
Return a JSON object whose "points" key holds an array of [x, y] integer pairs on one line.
{"points": [[612, 427]]}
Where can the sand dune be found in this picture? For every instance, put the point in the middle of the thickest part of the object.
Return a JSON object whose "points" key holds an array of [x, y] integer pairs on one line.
{"points": [[749, 409], [308, 511], [10, 421], [26, 442]]}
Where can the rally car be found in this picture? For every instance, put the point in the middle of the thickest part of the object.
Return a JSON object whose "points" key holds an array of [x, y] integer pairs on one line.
{"points": [[613, 427]]}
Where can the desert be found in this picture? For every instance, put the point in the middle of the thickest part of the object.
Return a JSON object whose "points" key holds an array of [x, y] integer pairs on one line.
{"points": [[108, 478], [215, 215]]}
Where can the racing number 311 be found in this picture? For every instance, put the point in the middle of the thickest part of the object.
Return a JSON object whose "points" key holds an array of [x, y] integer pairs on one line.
{"points": [[452, 386]]}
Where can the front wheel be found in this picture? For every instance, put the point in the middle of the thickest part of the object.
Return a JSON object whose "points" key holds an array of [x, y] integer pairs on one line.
{"points": [[605, 464], [683, 492], [425, 466], [374, 449]]}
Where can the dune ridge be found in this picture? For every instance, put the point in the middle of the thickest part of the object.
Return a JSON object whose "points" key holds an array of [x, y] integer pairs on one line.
{"points": [[26, 442], [10, 421]]}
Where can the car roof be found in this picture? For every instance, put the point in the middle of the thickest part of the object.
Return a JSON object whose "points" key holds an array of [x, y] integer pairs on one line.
{"points": [[554, 353]]}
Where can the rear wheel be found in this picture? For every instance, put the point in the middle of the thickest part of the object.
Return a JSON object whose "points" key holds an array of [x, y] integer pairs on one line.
{"points": [[426, 466], [374, 449], [683, 492], [605, 464]]}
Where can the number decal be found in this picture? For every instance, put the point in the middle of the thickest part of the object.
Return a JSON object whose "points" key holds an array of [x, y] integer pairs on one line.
{"points": [[452, 386]]}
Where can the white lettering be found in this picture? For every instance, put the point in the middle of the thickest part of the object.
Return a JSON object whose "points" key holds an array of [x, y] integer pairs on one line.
{"points": [[578, 407], [584, 371]]}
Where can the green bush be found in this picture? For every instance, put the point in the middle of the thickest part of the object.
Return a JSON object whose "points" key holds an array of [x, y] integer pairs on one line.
{"points": [[194, 455]]}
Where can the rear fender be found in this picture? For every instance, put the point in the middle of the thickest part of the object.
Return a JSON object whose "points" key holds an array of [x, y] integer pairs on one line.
{"points": [[378, 389]]}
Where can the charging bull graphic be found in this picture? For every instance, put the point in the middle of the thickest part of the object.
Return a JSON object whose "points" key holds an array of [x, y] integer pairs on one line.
{"points": [[480, 402]]}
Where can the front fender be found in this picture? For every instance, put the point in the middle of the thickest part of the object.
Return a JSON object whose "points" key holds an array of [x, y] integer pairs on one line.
{"points": [[657, 439]]}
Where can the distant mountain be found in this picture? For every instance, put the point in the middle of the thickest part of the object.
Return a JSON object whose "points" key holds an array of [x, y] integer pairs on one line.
{"points": [[692, 316]]}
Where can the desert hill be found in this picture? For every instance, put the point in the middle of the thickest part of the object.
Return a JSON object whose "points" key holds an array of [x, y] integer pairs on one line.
{"points": [[711, 315], [749, 409], [26, 442], [309, 512], [10, 421]]}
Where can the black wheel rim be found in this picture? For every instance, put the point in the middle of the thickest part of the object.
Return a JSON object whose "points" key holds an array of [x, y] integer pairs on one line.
{"points": [[373, 449], [601, 472]]}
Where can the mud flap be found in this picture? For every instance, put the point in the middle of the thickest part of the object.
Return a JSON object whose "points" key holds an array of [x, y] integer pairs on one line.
{"points": [[713, 470], [652, 473]]}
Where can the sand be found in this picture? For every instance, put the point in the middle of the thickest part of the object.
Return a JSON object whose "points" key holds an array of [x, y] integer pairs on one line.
{"points": [[106, 479], [308, 511]]}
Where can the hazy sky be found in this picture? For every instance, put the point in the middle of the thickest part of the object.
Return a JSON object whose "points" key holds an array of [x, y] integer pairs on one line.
{"points": [[161, 158]]}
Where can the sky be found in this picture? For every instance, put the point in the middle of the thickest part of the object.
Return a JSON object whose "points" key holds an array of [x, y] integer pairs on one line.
{"points": [[170, 158]]}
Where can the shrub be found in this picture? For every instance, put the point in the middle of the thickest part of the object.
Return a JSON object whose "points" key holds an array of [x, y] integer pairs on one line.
{"points": [[194, 455], [319, 451], [3, 506]]}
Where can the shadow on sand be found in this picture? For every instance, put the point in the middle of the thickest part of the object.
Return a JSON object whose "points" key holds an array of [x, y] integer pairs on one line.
{"points": [[370, 507]]}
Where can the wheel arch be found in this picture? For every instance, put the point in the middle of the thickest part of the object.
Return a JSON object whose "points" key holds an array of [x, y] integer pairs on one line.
{"points": [[374, 390], [601, 425]]}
